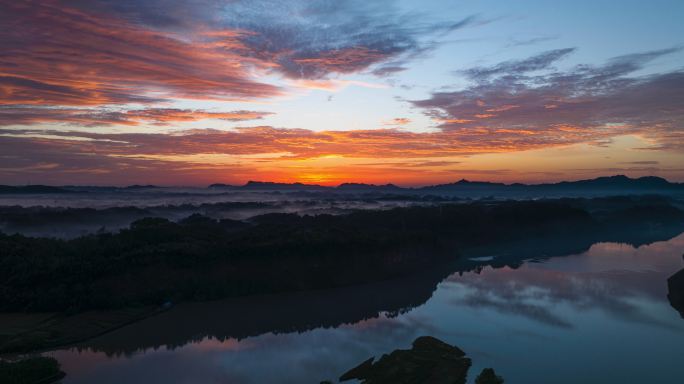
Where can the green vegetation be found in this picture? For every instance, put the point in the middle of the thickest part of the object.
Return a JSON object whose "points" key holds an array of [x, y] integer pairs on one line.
{"points": [[72, 290], [157, 261], [34, 370], [27, 332]]}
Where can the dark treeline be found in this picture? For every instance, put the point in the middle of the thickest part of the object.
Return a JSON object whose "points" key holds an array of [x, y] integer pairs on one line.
{"points": [[71, 222], [306, 310], [198, 258]]}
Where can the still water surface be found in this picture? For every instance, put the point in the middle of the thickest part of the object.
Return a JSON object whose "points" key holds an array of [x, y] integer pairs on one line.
{"points": [[600, 316]]}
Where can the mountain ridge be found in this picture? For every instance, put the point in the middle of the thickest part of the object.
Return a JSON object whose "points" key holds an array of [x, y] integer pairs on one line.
{"points": [[614, 182]]}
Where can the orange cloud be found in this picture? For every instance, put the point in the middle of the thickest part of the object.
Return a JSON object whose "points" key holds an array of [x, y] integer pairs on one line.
{"points": [[166, 115], [96, 117], [453, 121], [332, 85], [306, 144], [398, 121], [506, 102], [267, 153]]}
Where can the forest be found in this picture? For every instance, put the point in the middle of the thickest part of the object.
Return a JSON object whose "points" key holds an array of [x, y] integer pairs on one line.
{"points": [[156, 261]]}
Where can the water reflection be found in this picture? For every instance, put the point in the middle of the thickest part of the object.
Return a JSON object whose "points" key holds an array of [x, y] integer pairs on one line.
{"points": [[594, 317], [616, 278], [241, 318]]}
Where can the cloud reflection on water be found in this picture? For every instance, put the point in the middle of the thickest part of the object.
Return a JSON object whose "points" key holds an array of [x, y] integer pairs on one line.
{"points": [[565, 307]]}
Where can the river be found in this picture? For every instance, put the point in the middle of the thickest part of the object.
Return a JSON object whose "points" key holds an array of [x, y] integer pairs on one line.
{"points": [[597, 316]]}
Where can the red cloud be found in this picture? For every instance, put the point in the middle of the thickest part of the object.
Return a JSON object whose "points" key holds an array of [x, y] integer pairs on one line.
{"points": [[303, 144], [584, 104], [54, 54], [265, 151]]}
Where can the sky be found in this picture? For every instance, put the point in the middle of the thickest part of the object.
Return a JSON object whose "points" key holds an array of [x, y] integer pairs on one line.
{"points": [[120, 92]]}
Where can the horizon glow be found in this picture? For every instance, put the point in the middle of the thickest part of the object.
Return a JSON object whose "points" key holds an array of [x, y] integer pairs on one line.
{"points": [[191, 93]]}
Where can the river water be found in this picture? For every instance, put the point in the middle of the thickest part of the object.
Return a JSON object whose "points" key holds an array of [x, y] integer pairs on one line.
{"points": [[597, 316]]}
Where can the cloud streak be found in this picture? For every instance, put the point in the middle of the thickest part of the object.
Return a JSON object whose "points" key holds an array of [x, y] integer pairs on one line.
{"points": [[54, 53], [105, 117], [202, 155], [515, 103], [115, 52]]}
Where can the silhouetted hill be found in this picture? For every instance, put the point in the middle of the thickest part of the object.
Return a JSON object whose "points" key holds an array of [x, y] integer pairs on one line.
{"points": [[267, 185], [613, 184], [221, 185], [617, 183], [345, 187], [464, 184], [137, 186], [369, 187]]}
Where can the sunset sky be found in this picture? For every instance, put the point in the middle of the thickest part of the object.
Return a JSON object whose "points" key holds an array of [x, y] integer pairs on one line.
{"points": [[117, 92]]}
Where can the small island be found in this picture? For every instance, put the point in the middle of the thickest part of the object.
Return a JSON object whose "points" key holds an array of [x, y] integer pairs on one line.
{"points": [[429, 361]]}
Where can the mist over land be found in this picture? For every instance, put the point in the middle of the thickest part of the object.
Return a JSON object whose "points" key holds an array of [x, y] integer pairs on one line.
{"points": [[71, 211]]}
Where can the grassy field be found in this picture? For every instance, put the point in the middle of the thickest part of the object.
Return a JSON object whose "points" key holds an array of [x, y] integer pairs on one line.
{"points": [[32, 370], [21, 333]]}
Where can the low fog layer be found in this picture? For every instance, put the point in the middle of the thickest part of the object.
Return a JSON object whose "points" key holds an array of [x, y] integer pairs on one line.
{"points": [[73, 215], [68, 212]]}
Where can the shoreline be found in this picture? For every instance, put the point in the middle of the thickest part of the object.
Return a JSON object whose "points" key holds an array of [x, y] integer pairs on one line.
{"points": [[555, 236]]}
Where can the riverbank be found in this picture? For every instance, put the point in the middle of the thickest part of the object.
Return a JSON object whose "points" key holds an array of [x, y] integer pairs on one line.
{"points": [[35, 332], [102, 282]]}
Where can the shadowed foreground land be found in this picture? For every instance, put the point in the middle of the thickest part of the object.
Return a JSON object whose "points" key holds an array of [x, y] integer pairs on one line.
{"points": [[34, 370], [156, 261], [675, 288], [429, 361]]}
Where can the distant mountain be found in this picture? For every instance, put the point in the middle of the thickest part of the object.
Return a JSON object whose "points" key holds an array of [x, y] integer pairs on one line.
{"points": [[369, 187], [607, 183], [136, 186], [271, 186], [221, 185], [345, 187], [31, 189], [464, 184], [617, 183], [599, 185]]}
